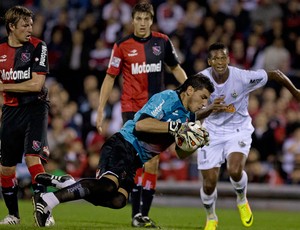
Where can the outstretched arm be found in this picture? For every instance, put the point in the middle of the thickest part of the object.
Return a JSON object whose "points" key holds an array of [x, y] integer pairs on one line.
{"points": [[283, 80]]}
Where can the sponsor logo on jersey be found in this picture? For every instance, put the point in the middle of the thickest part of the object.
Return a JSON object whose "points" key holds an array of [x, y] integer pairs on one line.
{"points": [[3, 58], [145, 68], [25, 57], [158, 109], [43, 56], [156, 50], [15, 75], [255, 81], [133, 53], [230, 108]]}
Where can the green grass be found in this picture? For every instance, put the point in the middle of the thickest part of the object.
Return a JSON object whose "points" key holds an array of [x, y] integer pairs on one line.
{"points": [[82, 215]]}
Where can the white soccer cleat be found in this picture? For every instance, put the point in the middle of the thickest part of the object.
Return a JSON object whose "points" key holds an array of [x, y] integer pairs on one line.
{"points": [[10, 219]]}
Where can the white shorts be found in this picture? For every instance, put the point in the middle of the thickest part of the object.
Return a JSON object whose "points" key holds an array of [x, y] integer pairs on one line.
{"points": [[220, 147]]}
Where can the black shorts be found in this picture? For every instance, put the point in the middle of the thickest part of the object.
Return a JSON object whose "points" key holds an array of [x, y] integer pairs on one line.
{"points": [[120, 157], [24, 131]]}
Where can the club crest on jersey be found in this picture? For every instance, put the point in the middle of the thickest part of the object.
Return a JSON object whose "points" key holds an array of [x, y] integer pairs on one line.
{"points": [[156, 50], [36, 145], [234, 94], [25, 57]]}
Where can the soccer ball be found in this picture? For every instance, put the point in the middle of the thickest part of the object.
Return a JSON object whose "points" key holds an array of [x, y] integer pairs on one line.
{"points": [[190, 137], [50, 221]]}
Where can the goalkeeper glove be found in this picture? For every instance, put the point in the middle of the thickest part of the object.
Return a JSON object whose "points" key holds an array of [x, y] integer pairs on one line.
{"points": [[174, 127]]}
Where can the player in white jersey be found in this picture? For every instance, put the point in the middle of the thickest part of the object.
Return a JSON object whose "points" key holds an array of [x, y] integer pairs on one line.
{"points": [[229, 125]]}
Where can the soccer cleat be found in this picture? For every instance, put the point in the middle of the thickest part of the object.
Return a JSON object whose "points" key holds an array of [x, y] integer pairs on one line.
{"points": [[149, 223], [54, 181], [211, 225], [10, 219], [246, 214], [41, 210], [138, 221]]}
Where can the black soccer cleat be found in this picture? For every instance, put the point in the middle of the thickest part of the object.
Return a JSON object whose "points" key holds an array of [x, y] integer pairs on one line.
{"points": [[41, 210], [54, 181], [140, 221]]}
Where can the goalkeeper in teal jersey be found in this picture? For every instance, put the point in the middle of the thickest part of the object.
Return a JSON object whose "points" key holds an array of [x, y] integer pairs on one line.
{"points": [[165, 106], [150, 132]]}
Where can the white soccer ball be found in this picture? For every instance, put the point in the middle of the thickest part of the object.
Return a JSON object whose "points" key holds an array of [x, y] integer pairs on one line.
{"points": [[50, 221], [190, 137]]}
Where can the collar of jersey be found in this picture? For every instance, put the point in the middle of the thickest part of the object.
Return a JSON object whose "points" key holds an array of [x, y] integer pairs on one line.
{"points": [[138, 39]]}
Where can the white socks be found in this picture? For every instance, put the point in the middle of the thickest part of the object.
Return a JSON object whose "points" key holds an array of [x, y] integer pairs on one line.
{"points": [[209, 202], [50, 199], [240, 188]]}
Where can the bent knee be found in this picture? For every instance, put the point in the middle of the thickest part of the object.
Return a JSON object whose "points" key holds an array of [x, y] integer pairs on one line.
{"points": [[119, 201]]}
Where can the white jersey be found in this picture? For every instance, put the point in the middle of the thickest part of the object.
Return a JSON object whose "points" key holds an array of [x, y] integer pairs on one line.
{"points": [[236, 91]]}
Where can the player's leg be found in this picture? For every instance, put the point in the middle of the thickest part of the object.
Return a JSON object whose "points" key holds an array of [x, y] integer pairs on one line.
{"points": [[208, 193], [9, 187], [136, 192], [149, 188], [143, 193], [97, 191], [11, 155], [239, 180], [34, 123], [36, 149], [210, 159], [237, 152]]}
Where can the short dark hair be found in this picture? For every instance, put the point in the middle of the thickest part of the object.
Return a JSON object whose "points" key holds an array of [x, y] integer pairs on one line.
{"points": [[14, 14], [198, 82], [216, 46], [143, 7]]}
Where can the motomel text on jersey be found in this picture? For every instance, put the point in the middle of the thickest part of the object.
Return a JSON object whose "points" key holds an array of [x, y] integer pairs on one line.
{"points": [[145, 68], [43, 56], [15, 75]]}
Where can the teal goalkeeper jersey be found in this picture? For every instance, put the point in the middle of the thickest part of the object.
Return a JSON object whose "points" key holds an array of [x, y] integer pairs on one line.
{"points": [[163, 106]]}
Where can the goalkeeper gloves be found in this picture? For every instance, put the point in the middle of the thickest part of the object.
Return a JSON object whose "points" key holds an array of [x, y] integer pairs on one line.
{"points": [[174, 127]]}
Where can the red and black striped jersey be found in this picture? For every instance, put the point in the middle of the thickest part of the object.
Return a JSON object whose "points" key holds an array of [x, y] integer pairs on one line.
{"points": [[141, 62], [17, 65]]}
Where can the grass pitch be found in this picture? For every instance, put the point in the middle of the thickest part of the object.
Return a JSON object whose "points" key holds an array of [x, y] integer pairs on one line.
{"points": [[82, 215]]}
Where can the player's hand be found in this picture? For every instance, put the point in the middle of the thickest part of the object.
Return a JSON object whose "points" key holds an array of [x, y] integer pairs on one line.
{"points": [[205, 134], [99, 121], [174, 127], [1, 86], [218, 105]]}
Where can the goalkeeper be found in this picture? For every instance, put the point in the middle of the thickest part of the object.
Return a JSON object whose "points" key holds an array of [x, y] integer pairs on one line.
{"points": [[152, 130]]}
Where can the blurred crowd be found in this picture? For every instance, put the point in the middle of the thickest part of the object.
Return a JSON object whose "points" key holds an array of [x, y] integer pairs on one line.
{"points": [[80, 35]]}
